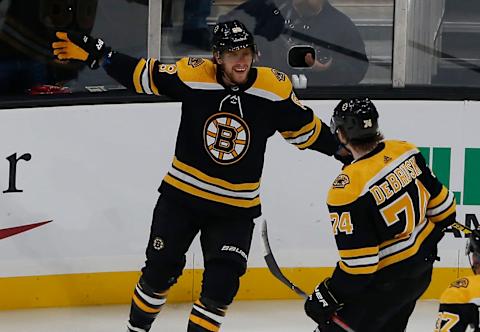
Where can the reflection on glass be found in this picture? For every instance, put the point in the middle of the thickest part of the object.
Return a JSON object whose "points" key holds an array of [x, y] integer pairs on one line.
{"points": [[352, 40], [27, 30], [339, 51], [458, 45]]}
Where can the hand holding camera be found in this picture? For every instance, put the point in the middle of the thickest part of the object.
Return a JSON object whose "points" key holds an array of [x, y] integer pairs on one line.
{"points": [[301, 57]]}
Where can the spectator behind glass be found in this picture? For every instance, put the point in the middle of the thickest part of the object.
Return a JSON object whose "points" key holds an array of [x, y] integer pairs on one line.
{"points": [[195, 30], [278, 25], [26, 33]]}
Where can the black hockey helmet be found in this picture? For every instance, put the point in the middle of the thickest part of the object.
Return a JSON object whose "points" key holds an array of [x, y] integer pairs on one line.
{"points": [[358, 117], [232, 36], [473, 250]]}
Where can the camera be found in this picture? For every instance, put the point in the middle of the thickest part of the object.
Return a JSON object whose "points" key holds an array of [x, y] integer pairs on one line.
{"points": [[296, 56]]}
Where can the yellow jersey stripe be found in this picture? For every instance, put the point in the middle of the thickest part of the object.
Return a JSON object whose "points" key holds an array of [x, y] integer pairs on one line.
{"points": [[434, 202], [137, 75], [368, 251], [204, 323], [215, 181], [313, 138], [408, 252], [305, 129], [358, 270], [391, 242], [243, 203], [445, 214]]}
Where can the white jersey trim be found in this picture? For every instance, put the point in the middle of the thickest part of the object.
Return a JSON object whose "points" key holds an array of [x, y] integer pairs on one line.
{"points": [[209, 314], [264, 94], [301, 139], [146, 78], [372, 260], [398, 247], [149, 299], [206, 186], [442, 207], [136, 329], [204, 86]]}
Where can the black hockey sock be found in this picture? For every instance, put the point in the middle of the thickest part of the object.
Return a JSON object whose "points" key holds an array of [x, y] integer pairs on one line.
{"points": [[146, 304], [206, 315]]}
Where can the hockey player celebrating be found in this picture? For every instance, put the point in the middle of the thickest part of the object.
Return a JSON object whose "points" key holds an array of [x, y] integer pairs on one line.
{"points": [[459, 303], [388, 212], [229, 110]]}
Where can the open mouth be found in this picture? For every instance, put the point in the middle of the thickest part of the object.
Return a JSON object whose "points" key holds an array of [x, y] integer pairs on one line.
{"points": [[240, 69]]}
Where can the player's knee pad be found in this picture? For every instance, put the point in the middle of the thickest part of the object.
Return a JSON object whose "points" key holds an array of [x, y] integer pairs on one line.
{"points": [[162, 274], [221, 280]]}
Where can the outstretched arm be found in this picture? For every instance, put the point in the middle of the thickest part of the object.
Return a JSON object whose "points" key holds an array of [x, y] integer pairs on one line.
{"points": [[147, 76]]}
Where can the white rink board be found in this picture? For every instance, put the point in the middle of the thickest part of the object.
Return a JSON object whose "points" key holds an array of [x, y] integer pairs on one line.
{"points": [[95, 171]]}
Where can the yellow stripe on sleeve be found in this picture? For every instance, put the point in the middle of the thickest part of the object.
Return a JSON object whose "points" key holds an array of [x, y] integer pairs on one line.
{"points": [[305, 129], [313, 138], [137, 76], [434, 202], [444, 214]]}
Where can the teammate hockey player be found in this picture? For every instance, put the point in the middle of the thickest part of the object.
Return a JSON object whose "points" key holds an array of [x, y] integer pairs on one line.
{"points": [[229, 110], [459, 303], [388, 212]]}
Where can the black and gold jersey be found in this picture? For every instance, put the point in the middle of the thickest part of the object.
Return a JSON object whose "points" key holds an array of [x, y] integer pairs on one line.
{"points": [[387, 209], [223, 132], [459, 306]]}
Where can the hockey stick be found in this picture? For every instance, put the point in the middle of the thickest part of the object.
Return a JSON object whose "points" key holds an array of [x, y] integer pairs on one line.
{"points": [[462, 228], [277, 273]]}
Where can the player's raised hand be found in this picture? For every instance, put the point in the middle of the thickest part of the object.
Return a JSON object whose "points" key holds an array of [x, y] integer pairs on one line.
{"points": [[75, 46]]}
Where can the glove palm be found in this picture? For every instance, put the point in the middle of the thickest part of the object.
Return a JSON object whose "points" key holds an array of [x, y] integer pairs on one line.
{"points": [[73, 46]]}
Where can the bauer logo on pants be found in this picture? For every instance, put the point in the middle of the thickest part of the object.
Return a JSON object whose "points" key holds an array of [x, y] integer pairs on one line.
{"points": [[235, 249], [226, 138]]}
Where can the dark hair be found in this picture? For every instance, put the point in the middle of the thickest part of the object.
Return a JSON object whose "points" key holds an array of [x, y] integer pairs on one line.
{"points": [[368, 143]]}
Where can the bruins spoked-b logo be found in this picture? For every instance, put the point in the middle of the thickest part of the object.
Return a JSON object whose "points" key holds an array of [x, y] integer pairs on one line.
{"points": [[226, 138]]}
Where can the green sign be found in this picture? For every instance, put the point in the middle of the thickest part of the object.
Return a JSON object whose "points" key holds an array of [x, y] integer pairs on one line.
{"points": [[439, 159]]}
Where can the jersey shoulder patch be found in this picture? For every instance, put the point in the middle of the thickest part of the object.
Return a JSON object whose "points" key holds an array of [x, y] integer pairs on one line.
{"points": [[346, 187], [461, 291], [275, 84], [197, 70]]}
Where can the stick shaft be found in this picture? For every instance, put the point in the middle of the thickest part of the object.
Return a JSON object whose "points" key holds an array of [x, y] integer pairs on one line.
{"points": [[277, 273]]}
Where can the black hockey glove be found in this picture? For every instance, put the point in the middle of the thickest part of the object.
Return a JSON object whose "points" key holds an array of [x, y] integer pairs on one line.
{"points": [[75, 46], [322, 304]]}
